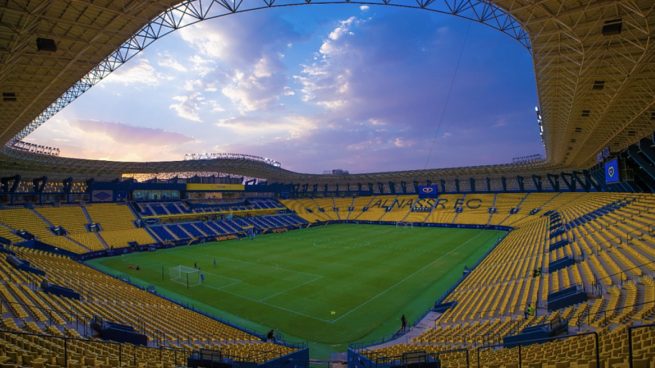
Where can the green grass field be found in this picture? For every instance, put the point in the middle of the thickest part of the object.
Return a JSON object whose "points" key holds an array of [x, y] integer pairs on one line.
{"points": [[330, 285]]}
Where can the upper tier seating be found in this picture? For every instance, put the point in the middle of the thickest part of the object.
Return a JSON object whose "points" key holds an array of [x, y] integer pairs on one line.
{"points": [[116, 223]]}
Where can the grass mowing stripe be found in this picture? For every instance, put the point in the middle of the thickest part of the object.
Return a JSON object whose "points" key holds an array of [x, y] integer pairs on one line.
{"points": [[404, 279], [292, 288], [271, 305], [329, 285]]}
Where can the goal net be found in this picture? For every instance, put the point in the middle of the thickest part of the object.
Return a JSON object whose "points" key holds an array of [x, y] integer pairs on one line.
{"points": [[183, 275]]}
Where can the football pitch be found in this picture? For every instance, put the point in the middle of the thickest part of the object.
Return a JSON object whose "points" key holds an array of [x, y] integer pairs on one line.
{"points": [[329, 285]]}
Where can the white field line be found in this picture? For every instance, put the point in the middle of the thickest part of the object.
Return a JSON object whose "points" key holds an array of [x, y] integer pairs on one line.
{"points": [[272, 305], [291, 288], [402, 280]]}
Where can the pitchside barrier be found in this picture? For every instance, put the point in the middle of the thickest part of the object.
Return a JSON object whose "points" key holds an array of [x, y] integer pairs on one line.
{"points": [[297, 359], [217, 358], [419, 359], [416, 224]]}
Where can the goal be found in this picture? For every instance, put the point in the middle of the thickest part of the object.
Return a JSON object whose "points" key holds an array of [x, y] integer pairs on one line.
{"points": [[187, 276]]}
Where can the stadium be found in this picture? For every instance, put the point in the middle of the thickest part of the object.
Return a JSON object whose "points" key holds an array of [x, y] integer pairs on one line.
{"points": [[233, 260]]}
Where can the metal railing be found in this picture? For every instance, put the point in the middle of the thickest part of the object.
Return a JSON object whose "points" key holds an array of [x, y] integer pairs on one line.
{"points": [[78, 320], [124, 352], [631, 342], [634, 349], [520, 348], [605, 314]]}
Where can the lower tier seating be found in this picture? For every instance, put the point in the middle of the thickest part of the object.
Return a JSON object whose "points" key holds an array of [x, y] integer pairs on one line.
{"points": [[27, 309]]}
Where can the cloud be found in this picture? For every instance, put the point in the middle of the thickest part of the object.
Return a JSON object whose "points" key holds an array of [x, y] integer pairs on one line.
{"points": [[364, 8], [246, 61], [288, 91], [258, 88], [201, 65], [376, 122], [203, 37], [279, 128], [167, 60], [323, 88], [330, 45], [401, 142], [95, 139], [367, 68], [500, 122], [215, 106], [141, 72], [188, 107], [364, 94], [127, 134]]}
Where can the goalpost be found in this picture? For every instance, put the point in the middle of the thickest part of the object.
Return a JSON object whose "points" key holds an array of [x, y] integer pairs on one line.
{"points": [[187, 276]]}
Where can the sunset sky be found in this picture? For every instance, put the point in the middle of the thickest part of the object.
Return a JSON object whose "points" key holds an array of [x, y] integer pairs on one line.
{"points": [[317, 88]]}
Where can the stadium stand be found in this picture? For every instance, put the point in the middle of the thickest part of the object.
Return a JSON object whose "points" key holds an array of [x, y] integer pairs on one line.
{"points": [[116, 226], [580, 253], [605, 240], [188, 231], [612, 264], [35, 322], [608, 236]]}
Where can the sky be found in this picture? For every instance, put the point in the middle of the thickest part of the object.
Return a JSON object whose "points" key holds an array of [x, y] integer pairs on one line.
{"points": [[359, 88]]}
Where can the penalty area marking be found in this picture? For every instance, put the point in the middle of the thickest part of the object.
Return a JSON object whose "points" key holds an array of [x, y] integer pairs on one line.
{"points": [[275, 266], [291, 288], [272, 305], [234, 281], [314, 277]]}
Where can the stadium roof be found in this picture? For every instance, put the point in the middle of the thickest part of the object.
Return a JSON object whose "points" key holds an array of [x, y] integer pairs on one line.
{"points": [[594, 64]]}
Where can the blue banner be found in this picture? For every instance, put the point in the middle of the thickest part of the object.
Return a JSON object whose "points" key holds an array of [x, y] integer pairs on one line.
{"points": [[428, 191], [612, 171], [102, 195]]}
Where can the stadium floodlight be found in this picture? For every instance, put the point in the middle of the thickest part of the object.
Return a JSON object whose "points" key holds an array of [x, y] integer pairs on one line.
{"points": [[230, 156], [540, 123], [35, 148]]}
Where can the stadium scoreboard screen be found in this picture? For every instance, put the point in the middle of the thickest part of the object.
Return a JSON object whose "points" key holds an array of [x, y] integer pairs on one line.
{"points": [[612, 171]]}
